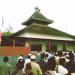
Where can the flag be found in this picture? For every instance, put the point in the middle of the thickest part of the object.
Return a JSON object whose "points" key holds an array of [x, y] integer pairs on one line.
{"points": [[2, 21]]}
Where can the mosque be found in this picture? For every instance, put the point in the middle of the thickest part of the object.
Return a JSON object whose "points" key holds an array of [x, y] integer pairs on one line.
{"points": [[36, 36]]}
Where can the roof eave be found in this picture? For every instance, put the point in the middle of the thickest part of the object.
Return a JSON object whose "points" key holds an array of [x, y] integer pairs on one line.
{"points": [[31, 20]]}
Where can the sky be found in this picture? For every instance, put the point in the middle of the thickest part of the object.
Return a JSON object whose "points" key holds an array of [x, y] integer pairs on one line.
{"points": [[14, 12]]}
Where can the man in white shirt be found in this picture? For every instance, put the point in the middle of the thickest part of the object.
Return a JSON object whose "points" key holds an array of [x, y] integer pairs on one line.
{"points": [[27, 60]]}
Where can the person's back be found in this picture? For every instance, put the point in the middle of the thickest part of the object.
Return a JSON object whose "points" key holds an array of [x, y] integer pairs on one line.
{"points": [[18, 70], [43, 63], [36, 69], [71, 64], [51, 65], [20, 64], [32, 68], [61, 67], [5, 67]]}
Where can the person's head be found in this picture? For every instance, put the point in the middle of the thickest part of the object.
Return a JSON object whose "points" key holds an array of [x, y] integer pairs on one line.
{"points": [[32, 57], [20, 64], [5, 59], [71, 56], [65, 54], [62, 61], [52, 63], [29, 55], [60, 53], [20, 57], [21, 60], [42, 55], [46, 55]]}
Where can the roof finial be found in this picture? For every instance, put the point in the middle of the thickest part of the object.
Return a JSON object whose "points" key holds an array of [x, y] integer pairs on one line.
{"points": [[37, 9]]}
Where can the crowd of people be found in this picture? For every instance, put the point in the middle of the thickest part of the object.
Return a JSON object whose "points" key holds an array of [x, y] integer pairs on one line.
{"points": [[42, 63]]}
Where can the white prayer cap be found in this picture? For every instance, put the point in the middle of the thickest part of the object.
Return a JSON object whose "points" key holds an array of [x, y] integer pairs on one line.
{"points": [[29, 54], [32, 57], [20, 57]]}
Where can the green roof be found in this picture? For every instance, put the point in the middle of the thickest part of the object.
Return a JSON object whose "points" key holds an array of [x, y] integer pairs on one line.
{"points": [[43, 30], [37, 16]]}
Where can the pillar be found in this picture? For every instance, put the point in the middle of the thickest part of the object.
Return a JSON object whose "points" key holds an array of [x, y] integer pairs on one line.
{"points": [[13, 42]]}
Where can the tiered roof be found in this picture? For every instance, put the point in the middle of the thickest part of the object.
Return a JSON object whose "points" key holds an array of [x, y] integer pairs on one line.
{"points": [[43, 30], [38, 18], [38, 24]]}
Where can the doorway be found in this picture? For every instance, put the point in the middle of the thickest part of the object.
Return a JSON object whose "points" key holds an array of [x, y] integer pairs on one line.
{"points": [[36, 47]]}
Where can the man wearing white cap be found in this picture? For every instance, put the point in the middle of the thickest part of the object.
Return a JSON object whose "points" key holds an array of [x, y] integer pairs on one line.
{"points": [[35, 68]]}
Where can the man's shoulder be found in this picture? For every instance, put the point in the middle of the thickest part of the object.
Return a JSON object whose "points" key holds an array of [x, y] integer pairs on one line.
{"points": [[7, 64], [35, 64]]}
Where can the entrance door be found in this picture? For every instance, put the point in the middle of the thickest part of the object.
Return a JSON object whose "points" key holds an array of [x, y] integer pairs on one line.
{"points": [[36, 47]]}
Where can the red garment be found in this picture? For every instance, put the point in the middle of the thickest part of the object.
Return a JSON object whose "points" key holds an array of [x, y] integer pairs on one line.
{"points": [[1, 35]]}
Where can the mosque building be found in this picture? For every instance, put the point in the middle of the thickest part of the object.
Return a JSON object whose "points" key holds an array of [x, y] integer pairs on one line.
{"points": [[37, 36]]}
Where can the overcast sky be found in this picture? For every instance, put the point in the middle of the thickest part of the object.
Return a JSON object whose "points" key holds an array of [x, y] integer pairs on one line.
{"points": [[14, 12]]}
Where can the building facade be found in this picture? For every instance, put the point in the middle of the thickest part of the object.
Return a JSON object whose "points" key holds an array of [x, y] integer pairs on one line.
{"points": [[38, 36]]}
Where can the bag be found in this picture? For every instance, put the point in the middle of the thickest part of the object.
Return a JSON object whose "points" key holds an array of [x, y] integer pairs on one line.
{"points": [[49, 72], [29, 69]]}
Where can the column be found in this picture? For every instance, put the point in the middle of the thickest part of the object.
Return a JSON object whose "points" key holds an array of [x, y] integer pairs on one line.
{"points": [[64, 46], [13, 42], [43, 47]]}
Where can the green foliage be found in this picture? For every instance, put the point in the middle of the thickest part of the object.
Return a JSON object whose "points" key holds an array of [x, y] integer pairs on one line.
{"points": [[6, 33]]}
